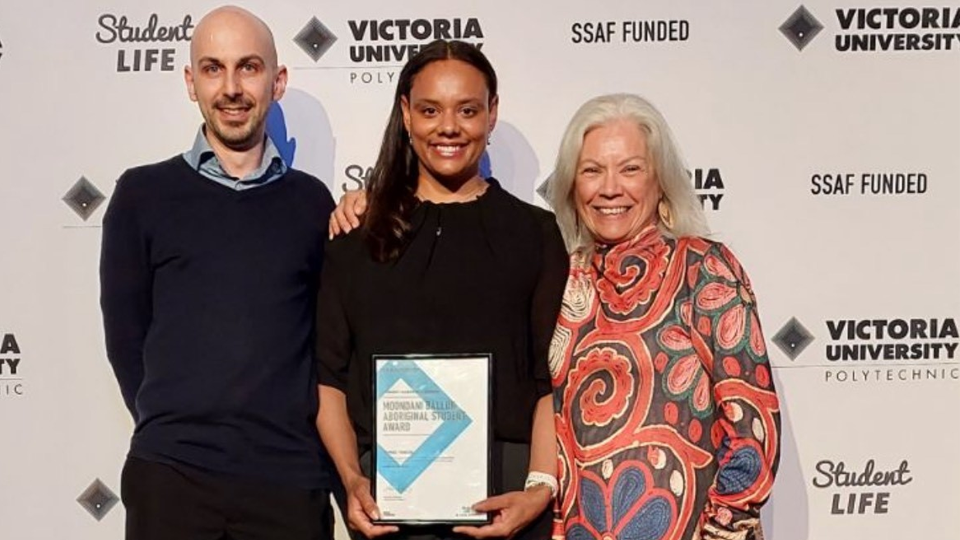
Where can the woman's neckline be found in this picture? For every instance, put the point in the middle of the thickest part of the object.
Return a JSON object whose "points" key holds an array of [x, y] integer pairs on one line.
{"points": [[481, 195], [647, 236]]}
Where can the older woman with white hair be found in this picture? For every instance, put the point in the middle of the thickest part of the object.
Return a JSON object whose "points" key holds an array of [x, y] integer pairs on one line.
{"points": [[668, 421]]}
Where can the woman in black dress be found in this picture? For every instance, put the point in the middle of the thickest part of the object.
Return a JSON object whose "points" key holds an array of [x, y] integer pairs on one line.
{"points": [[445, 262]]}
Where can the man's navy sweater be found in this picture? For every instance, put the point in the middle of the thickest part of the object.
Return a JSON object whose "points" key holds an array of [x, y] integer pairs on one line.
{"points": [[208, 298]]}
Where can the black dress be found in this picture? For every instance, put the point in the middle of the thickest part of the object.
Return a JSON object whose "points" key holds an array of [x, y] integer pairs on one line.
{"points": [[480, 276]]}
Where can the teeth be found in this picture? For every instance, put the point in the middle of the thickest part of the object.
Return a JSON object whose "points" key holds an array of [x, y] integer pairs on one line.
{"points": [[447, 149], [612, 211]]}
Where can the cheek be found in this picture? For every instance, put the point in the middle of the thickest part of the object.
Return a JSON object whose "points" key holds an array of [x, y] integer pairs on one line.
{"points": [[265, 91], [210, 90], [418, 129], [645, 190], [478, 126], [205, 96], [583, 191], [578, 204], [417, 137]]}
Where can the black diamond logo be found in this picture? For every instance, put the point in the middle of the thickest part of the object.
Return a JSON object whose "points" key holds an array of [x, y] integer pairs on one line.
{"points": [[83, 198], [97, 499], [801, 28], [315, 39], [793, 338]]}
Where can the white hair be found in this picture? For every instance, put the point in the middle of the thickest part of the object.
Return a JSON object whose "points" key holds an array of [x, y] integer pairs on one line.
{"points": [[686, 210]]}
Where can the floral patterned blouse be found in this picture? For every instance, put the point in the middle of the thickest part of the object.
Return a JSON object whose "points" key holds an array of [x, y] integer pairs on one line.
{"points": [[668, 421]]}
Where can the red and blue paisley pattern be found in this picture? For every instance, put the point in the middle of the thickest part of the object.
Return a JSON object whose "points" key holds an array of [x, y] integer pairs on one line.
{"points": [[667, 419]]}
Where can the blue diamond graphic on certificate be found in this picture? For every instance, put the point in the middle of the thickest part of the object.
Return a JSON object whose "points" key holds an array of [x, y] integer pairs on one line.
{"points": [[413, 405]]}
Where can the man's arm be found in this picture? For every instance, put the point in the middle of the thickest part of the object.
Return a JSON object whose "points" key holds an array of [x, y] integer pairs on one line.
{"points": [[126, 283]]}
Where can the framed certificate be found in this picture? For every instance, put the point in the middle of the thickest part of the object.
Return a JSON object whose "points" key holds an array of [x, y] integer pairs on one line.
{"points": [[431, 437]]}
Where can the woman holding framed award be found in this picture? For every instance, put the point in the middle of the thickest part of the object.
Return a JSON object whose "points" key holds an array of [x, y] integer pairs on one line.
{"points": [[434, 321]]}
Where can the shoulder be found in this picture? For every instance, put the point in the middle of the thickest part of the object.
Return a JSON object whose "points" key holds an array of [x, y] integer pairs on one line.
{"points": [[160, 169], [147, 180], [347, 249], [511, 207], [715, 259], [310, 195], [306, 179], [530, 231], [309, 184]]}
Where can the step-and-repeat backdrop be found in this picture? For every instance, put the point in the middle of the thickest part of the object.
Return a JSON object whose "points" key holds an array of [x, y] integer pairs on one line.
{"points": [[823, 139]]}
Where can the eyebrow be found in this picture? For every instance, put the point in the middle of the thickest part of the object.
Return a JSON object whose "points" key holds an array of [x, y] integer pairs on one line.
{"points": [[252, 57], [428, 101], [621, 162], [243, 60]]}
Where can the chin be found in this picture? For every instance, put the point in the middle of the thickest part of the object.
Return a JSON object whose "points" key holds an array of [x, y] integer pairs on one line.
{"points": [[610, 240], [239, 133], [615, 236], [450, 172]]}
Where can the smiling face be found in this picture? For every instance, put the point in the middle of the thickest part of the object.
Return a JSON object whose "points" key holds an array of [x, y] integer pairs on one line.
{"points": [[234, 77], [449, 115], [616, 190]]}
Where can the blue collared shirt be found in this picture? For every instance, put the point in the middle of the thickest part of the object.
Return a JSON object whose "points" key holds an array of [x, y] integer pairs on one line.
{"points": [[203, 160]]}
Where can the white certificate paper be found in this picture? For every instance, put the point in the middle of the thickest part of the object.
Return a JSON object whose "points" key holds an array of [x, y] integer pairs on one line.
{"points": [[432, 437]]}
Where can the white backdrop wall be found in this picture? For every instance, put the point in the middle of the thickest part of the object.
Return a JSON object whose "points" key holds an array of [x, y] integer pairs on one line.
{"points": [[782, 122]]}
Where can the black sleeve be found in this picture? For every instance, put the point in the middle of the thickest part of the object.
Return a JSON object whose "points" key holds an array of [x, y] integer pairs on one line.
{"points": [[334, 343], [126, 284], [547, 297]]}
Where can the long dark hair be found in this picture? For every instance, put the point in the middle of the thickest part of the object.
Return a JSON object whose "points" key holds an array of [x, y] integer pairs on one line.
{"points": [[392, 186]]}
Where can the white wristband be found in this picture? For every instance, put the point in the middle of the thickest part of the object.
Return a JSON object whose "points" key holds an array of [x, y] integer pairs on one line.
{"points": [[537, 478]]}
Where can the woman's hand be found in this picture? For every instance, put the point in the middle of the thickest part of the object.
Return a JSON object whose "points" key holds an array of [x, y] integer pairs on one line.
{"points": [[362, 509], [346, 216], [511, 512]]}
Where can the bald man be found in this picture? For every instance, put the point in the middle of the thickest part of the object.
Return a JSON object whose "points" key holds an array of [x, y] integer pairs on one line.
{"points": [[209, 271]]}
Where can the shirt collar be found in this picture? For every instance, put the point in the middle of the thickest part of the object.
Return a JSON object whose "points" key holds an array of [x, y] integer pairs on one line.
{"points": [[202, 158]]}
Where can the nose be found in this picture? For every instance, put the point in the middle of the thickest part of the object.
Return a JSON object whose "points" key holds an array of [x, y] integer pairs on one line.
{"points": [[231, 84], [448, 123], [610, 186]]}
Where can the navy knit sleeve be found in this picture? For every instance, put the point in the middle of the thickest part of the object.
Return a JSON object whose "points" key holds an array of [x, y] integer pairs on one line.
{"points": [[547, 297], [126, 282], [334, 344]]}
